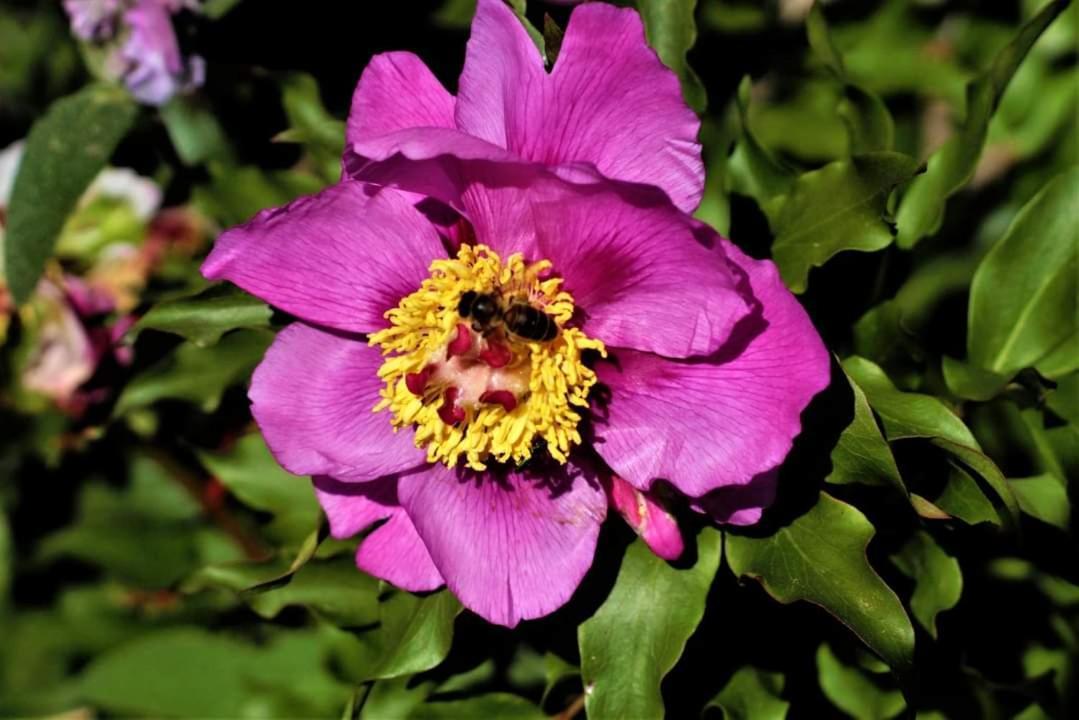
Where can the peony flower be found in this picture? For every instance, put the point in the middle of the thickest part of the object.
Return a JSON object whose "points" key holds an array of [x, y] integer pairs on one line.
{"points": [[503, 309]]}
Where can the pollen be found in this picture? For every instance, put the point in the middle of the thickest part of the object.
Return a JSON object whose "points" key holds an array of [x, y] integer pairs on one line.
{"points": [[475, 391]]}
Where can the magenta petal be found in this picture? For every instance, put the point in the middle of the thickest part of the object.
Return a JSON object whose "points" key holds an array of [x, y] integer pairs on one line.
{"points": [[393, 551], [609, 100], [397, 91], [340, 258], [709, 423], [647, 517], [313, 396], [641, 275], [741, 504], [510, 547]]}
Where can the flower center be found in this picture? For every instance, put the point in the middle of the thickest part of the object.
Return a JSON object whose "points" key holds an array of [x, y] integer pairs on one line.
{"points": [[480, 362]]}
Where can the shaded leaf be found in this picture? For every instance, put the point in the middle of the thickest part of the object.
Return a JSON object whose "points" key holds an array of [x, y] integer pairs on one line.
{"points": [[194, 130], [414, 634], [921, 208], [938, 582], [237, 192], [640, 631], [1024, 300], [913, 415], [334, 588], [204, 317], [862, 454], [250, 472], [839, 207], [751, 694], [820, 557], [66, 149], [754, 170], [672, 31], [961, 497], [971, 382], [853, 692], [493, 705], [196, 374]]}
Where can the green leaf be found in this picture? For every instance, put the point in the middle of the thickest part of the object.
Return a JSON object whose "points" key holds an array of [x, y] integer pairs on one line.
{"points": [[194, 130], [1061, 361], [187, 672], [862, 454], [552, 39], [250, 472], [236, 193], [853, 692], [971, 382], [751, 694], [672, 31], [5, 558], [414, 634], [640, 631], [870, 127], [754, 170], [1024, 300], [65, 151], [961, 497], [196, 374], [921, 208], [204, 317], [334, 589], [821, 558], [1043, 497], [938, 582], [493, 705], [913, 415], [839, 207]]}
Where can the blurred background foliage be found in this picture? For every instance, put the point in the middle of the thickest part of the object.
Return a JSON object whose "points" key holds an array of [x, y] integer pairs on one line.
{"points": [[911, 165]]}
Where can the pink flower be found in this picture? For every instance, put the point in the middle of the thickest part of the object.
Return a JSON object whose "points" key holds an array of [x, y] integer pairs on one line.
{"points": [[154, 69], [504, 304]]}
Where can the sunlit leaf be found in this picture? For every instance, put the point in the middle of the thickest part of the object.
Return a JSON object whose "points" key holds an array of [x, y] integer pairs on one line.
{"points": [[820, 557], [65, 150], [839, 207], [640, 631], [1024, 301], [413, 634], [1044, 497]]}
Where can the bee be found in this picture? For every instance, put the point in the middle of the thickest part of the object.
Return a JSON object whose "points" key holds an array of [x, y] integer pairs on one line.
{"points": [[520, 319]]}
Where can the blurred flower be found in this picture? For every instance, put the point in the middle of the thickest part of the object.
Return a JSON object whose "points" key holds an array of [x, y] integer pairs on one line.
{"points": [[61, 358], [476, 385], [141, 42]]}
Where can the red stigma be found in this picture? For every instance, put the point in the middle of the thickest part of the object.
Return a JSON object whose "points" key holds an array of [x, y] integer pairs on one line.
{"points": [[417, 382], [460, 344], [450, 412], [496, 355], [505, 398]]}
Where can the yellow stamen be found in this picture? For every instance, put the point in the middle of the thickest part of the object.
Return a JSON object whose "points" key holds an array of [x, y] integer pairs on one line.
{"points": [[548, 379]]}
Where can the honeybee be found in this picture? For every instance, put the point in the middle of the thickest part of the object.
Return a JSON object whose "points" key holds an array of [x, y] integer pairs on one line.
{"points": [[520, 318]]}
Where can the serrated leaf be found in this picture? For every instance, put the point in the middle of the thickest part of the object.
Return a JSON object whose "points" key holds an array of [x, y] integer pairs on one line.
{"points": [[1024, 300], [65, 151], [204, 317], [938, 582], [862, 454], [250, 472], [820, 557], [751, 694], [913, 415], [853, 692], [672, 31], [921, 208], [196, 374], [839, 207], [640, 631]]}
